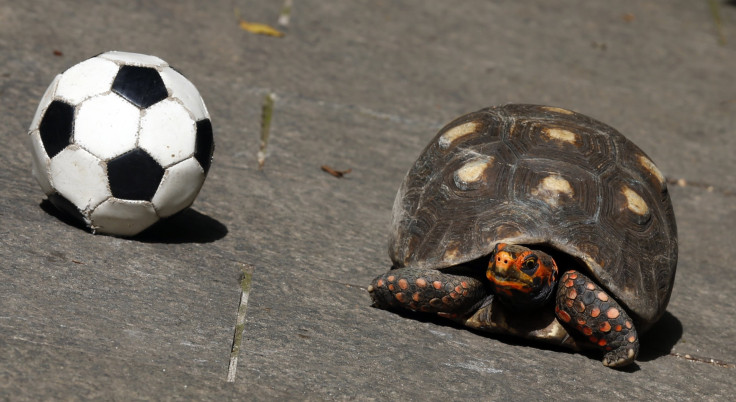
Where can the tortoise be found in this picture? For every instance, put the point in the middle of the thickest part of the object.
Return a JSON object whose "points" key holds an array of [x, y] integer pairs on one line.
{"points": [[534, 221]]}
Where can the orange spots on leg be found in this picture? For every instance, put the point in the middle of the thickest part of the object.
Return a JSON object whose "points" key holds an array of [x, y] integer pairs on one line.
{"points": [[628, 324], [458, 289], [403, 284], [569, 283], [595, 312], [572, 275], [580, 306], [391, 278], [631, 339], [437, 285], [602, 296], [464, 284], [572, 293], [446, 300], [454, 295], [587, 331], [421, 282], [618, 328], [612, 313], [564, 316], [581, 321], [391, 287], [379, 283], [416, 297], [569, 302], [605, 327], [590, 285], [602, 343], [400, 297]]}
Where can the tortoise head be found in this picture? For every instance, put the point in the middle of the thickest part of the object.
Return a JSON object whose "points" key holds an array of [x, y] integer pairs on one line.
{"points": [[522, 278]]}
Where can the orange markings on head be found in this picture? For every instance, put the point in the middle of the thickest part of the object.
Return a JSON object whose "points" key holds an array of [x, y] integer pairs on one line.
{"points": [[602, 296], [605, 327], [564, 316], [590, 285], [437, 285], [595, 312], [400, 297], [421, 282], [612, 313], [403, 284]]}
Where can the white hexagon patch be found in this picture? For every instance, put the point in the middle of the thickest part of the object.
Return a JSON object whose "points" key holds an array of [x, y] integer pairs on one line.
{"points": [[80, 177], [107, 126], [167, 132]]}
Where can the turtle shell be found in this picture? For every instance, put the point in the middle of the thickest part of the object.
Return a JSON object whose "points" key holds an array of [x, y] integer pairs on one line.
{"points": [[545, 176]]}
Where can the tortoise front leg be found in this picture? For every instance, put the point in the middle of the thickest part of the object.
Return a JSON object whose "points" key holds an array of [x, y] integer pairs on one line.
{"points": [[584, 306], [427, 290]]}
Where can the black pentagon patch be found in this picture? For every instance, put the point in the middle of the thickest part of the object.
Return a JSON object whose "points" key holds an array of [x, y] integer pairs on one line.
{"points": [[204, 145], [56, 127], [134, 175], [68, 209], [142, 86]]}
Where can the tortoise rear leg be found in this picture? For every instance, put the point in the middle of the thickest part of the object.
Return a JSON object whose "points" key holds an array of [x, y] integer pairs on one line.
{"points": [[427, 290], [587, 308]]}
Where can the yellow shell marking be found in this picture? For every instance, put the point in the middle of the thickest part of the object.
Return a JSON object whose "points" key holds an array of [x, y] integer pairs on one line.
{"points": [[560, 134], [652, 168], [456, 132], [557, 109], [634, 202], [472, 171], [551, 188]]}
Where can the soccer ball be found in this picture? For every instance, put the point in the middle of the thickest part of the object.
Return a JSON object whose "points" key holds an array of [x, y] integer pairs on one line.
{"points": [[121, 140]]}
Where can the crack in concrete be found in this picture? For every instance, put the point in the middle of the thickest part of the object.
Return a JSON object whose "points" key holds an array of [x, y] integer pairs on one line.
{"points": [[245, 286]]}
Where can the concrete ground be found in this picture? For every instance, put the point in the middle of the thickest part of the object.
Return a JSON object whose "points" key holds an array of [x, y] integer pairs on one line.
{"points": [[361, 85]]}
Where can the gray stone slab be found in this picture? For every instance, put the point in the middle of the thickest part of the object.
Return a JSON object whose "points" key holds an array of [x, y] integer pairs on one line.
{"points": [[362, 86]]}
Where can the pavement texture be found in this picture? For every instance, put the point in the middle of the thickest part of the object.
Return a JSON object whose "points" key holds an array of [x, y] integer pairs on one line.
{"points": [[360, 85]]}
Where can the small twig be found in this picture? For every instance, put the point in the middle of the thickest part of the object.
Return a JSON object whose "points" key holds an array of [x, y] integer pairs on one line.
{"points": [[266, 114], [700, 359], [705, 186], [245, 286], [715, 11], [336, 173], [285, 15]]}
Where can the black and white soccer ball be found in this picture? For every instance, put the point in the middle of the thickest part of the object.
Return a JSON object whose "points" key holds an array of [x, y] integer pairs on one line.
{"points": [[121, 140]]}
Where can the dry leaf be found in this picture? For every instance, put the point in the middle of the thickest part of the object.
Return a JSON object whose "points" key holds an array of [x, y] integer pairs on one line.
{"points": [[260, 29]]}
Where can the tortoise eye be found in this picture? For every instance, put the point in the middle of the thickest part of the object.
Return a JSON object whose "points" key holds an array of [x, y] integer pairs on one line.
{"points": [[530, 265]]}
